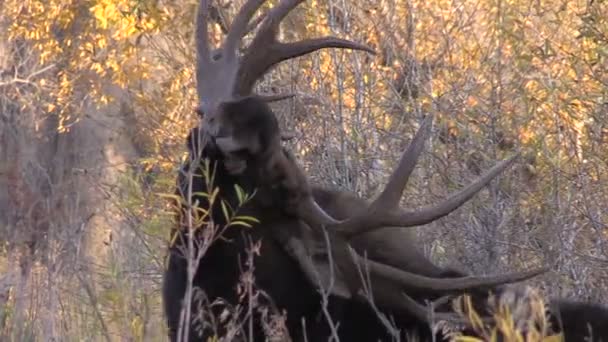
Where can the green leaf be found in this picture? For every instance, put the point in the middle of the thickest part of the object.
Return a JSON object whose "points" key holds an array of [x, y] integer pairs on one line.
{"points": [[467, 339], [214, 194], [247, 219], [201, 194], [225, 210], [240, 194], [240, 223]]}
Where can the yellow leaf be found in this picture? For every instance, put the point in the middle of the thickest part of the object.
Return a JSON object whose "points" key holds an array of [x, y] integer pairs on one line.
{"points": [[554, 338], [467, 339]]}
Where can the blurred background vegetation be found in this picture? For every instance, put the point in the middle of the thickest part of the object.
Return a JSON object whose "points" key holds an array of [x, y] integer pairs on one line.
{"points": [[97, 96]]}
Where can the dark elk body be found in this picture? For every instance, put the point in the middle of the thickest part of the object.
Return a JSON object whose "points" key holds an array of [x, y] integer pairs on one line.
{"points": [[240, 138], [276, 273]]}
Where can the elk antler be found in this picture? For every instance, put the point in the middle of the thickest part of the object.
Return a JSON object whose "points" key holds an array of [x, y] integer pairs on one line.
{"points": [[385, 210], [222, 75], [388, 285], [416, 281]]}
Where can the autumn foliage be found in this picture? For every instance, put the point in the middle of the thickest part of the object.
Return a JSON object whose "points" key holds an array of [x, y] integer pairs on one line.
{"points": [[499, 75]]}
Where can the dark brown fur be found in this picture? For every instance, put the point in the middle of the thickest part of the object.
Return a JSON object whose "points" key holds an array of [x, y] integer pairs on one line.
{"points": [[253, 127]]}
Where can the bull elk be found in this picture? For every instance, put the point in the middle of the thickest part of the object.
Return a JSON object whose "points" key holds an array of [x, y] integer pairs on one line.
{"points": [[324, 255]]}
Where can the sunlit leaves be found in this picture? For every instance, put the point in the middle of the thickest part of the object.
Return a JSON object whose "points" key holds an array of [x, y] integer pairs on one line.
{"points": [[519, 321], [95, 43]]}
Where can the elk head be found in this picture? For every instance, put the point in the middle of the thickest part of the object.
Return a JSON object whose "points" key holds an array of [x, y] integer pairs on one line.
{"points": [[248, 136], [243, 130]]}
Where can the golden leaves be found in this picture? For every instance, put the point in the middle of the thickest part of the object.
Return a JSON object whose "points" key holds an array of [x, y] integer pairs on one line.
{"points": [[517, 317], [93, 50]]}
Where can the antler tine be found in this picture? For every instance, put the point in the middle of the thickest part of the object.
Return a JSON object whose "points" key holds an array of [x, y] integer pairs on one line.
{"points": [[392, 285], [265, 51], [312, 213], [303, 47], [240, 26], [378, 217], [201, 33], [393, 190], [257, 63], [286, 51], [279, 12], [429, 214], [415, 281], [202, 43]]}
